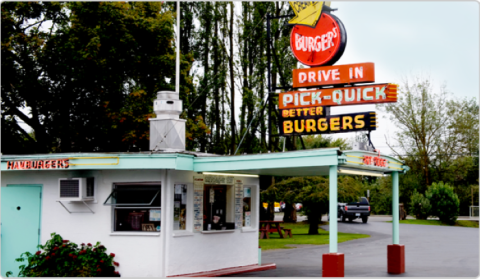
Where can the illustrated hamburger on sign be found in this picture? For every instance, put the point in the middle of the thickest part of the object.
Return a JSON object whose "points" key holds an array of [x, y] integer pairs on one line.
{"points": [[318, 38]]}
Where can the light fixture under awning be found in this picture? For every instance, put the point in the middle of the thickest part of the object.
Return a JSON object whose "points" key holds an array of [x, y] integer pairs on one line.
{"points": [[359, 172], [133, 196], [230, 174]]}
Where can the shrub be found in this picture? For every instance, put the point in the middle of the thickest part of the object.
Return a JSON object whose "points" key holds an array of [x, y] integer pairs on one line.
{"points": [[445, 203], [62, 258], [420, 206]]}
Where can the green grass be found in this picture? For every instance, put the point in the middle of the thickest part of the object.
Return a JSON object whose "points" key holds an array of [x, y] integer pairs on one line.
{"points": [[458, 223], [300, 236]]}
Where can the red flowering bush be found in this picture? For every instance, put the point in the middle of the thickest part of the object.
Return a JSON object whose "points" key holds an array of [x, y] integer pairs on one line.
{"points": [[62, 258]]}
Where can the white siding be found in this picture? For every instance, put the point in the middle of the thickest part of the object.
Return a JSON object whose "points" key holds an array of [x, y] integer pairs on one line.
{"points": [[140, 255]]}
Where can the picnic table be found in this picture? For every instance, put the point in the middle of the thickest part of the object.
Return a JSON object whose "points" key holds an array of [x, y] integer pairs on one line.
{"points": [[267, 227]]}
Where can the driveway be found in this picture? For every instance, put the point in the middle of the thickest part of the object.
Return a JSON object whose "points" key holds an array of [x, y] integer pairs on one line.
{"points": [[430, 251]]}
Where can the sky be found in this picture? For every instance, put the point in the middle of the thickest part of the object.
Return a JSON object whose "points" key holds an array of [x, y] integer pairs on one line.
{"points": [[407, 39]]}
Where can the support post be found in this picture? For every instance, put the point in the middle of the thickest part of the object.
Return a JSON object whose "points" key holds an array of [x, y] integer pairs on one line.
{"points": [[332, 209], [395, 209], [396, 251], [333, 263]]}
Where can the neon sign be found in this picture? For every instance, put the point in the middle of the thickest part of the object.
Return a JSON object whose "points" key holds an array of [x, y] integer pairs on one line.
{"points": [[310, 121], [322, 45], [354, 95], [38, 164]]}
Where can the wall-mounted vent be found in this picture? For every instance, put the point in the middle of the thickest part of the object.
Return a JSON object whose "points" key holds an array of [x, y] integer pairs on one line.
{"points": [[76, 189]]}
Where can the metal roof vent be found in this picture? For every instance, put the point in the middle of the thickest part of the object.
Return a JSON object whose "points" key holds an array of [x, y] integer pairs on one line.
{"points": [[167, 131]]}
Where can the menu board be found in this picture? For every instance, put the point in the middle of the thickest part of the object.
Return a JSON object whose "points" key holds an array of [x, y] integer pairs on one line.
{"points": [[238, 203], [218, 179], [198, 183]]}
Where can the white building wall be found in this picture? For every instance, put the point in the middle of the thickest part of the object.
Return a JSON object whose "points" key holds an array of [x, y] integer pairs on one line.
{"points": [[196, 252], [142, 254], [139, 255]]}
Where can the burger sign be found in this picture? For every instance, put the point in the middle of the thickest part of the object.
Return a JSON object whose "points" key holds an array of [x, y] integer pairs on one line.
{"points": [[319, 42]]}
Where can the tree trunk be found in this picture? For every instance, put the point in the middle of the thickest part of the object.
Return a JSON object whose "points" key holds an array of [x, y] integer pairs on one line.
{"points": [[313, 215], [290, 213], [271, 211]]}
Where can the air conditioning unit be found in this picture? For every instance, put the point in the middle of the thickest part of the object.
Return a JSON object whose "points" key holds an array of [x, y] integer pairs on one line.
{"points": [[76, 189]]}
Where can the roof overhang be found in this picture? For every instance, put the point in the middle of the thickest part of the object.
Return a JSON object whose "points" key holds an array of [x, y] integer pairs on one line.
{"points": [[311, 162]]}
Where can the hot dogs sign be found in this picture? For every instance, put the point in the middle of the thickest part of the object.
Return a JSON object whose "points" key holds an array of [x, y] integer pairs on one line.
{"points": [[318, 39]]}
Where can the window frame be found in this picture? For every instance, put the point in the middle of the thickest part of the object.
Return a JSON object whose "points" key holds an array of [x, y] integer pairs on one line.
{"points": [[251, 206], [189, 189], [114, 207], [228, 215]]}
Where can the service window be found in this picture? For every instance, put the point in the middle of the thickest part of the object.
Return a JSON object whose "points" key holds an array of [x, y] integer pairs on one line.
{"points": [[180, 207], [215, 208], [136, 207]]}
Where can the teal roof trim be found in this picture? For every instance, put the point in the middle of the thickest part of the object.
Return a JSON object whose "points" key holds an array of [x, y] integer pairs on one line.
{"points": [[112, 161], [293, 163], [304, 162]]}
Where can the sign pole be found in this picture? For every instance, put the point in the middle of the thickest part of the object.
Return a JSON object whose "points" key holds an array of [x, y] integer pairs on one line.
{"points": [[269, 86], [177, 62]]}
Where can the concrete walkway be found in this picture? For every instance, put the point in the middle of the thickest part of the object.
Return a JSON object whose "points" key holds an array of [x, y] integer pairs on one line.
{"points": [[430, 251]]}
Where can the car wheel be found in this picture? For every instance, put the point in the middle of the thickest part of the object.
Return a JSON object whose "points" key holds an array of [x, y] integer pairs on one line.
{"points": [[342, 217], [365, 219]]}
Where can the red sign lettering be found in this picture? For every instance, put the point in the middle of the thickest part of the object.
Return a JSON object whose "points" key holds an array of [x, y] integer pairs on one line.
{"points": [[375, 161], [40, 164], [322, 45]]}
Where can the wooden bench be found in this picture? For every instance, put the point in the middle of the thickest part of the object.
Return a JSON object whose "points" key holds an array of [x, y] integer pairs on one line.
{"points": [[287, 231], [264, 233]]}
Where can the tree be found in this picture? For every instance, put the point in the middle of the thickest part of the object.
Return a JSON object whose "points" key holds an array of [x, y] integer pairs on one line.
{"points": [[444, 202], [420, 206], [313, 193], [420, 114], [319, 141], [438, 138], [89, 71], [194, 95], [433, 129]]}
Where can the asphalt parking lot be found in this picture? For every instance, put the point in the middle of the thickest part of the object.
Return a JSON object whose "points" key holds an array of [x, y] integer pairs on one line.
{"points": [[430, 251]]}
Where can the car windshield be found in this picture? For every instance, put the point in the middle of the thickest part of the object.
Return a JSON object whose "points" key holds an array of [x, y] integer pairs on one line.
{"points": [[361, 201]]}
